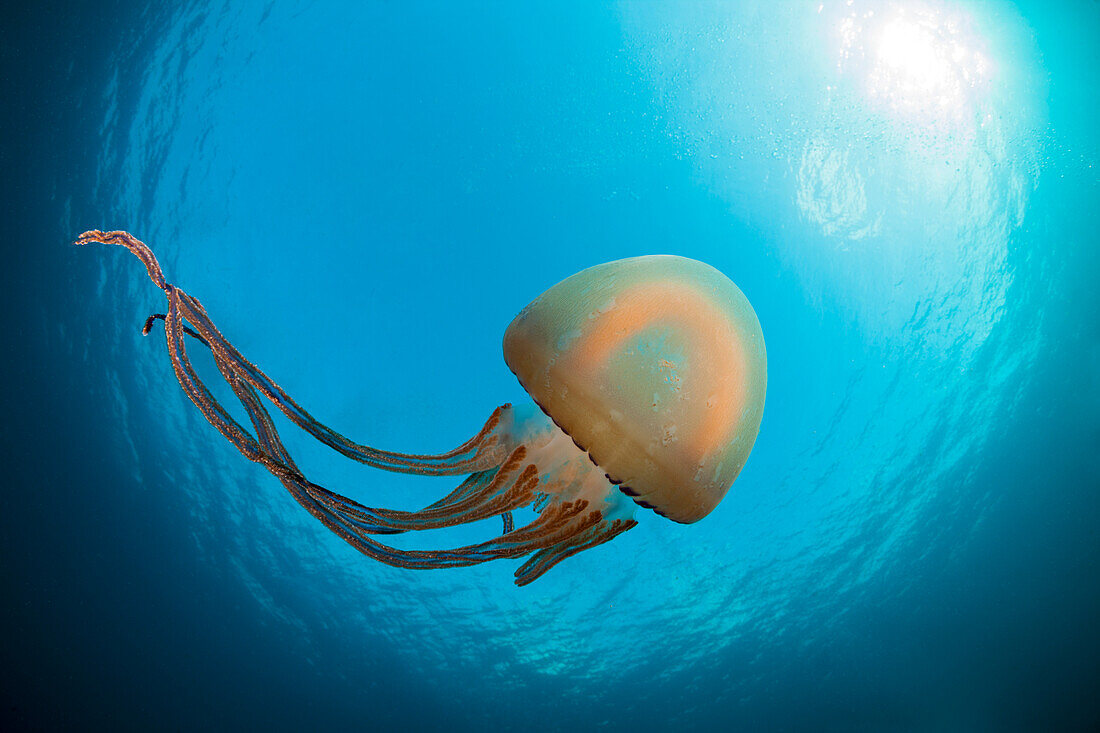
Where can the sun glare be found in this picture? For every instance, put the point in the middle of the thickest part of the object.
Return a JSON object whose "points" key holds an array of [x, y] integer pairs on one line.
{"points": [[920, 63]]}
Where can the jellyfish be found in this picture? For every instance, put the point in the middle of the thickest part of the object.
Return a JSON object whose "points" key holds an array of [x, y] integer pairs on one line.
{"points": [[647, 377]]}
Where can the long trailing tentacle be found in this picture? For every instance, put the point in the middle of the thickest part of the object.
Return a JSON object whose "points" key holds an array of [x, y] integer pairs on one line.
{"points": [[544, 531], [484, 450], [354, 522], [480, 452], [548, 557], [500, 481]]}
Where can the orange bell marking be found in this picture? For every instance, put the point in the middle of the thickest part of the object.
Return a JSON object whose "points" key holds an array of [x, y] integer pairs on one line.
{"points": [[656, 366]]}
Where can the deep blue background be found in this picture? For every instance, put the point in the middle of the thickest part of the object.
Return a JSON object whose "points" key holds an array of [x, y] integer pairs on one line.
{"points": [[364, 196]]}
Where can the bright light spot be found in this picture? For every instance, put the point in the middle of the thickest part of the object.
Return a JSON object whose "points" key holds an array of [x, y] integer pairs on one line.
{"points": [[923, 64], [911, 53]]}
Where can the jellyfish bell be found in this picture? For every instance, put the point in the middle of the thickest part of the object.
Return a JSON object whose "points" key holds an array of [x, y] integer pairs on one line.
{"points": [[648, 378], [656, 367]]}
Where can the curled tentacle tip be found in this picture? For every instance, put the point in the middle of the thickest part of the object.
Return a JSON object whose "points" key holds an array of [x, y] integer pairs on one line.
{"points": [[92, 235]]}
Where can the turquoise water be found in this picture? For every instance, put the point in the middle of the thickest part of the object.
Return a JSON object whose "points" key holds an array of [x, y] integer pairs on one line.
{"points": [[363, 196]]}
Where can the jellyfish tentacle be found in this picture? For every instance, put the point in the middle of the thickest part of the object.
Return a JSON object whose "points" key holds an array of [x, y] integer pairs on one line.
{"points": [[132, 243], [555, 534], [473, 483], [486, 449], [211, 409], [546, 558], [501, 479], [202, 397], [304, 493], [553, 526], [514, 497], [541, 532], [266, 434], [473, 455], [510, 489], [557, 527], [487, 500], [148, 326]]}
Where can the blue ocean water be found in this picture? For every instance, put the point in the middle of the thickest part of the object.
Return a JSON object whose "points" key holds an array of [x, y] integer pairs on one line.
{"points": [[364, 195]]}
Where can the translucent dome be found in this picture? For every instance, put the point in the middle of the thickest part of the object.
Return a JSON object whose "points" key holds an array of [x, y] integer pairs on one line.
{"points": [[656, 366]]}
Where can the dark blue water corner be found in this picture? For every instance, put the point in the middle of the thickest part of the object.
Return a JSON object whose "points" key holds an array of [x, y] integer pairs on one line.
{"points": [[363, 196]]}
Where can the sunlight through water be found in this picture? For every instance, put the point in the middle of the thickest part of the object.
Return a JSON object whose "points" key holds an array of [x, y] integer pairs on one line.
{"points": [[853, 171]]}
